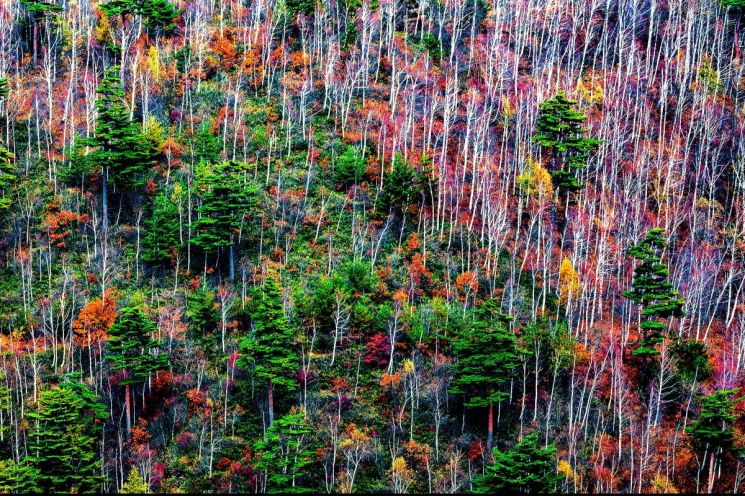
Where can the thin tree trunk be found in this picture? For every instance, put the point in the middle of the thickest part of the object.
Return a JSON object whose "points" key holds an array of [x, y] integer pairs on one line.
{"points": [[270, 403], [490, 433]]}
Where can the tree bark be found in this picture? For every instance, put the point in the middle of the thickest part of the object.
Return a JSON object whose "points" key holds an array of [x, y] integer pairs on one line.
{"points": [[270, 403], [490, 432], [710, 485], [128, 406]]}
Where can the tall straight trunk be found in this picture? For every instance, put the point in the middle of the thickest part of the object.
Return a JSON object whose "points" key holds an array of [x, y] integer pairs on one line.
{"points": [[710, 485], [36, 42], [232, 262], [490, 427], [270, 403], [105, 203], [128, 406]]}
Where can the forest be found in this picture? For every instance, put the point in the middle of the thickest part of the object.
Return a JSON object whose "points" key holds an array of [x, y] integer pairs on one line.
{"points": [[372, 246]]}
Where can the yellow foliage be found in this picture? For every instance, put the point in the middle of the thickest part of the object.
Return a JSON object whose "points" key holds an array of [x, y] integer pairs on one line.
{"points": [[590, 89], [154, 130], [399, 465], [153, 62], [408, 367], [536, 181], [102, 32], [662, 485], [569, 283], [709, 78], [565, 469], [509, 110]]}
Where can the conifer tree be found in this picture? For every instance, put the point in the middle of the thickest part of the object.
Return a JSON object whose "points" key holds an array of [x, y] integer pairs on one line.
{"points": [[228, 199], [712, 432], [38, 11], [653, 292], [560, 133], [486, 357], [135, 484], [161, 241], [19, 478], [350, 167], [399, 187], [62, 444], [158, 15], [134, 352], [121, 151], [202, 311], [268, 351], [527, 468], [285, 454], [7, 174]]}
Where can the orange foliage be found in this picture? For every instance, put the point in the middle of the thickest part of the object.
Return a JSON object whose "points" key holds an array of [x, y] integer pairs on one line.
{"points": [[95, 319]]}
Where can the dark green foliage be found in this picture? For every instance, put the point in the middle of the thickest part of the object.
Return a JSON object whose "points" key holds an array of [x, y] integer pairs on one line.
{"points": [[7, 173], [652, 291], [400, 187], [268, 349], [560, 133], [202, 311], [205, 145], [18, 478], [713, 430], [37, 7], [295, 7], [7, 179], [132, 348], [285, 455], [229, 198], [431, 44], [121, 149], [527, 468], [161, 241], [350, 167], [158, 15], [691, 361], [62, 445], [487, 356]]}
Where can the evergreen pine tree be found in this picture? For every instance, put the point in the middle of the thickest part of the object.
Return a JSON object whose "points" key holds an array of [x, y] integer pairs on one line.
{"points": [[399, 187], [161, 241], [133, 351], [62, 445], [19, 478], [268, 351], [653, 292], [527, 468], [560, 133], [712, 432], [135, 484], [7, 173], [487, 356], [228, 200], [350, 167], [285, 454], [38, 10], [121, 151], [158, 15]]}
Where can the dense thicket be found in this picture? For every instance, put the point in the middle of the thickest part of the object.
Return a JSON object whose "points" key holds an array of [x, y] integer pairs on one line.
{"points": [[357, 246]]}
